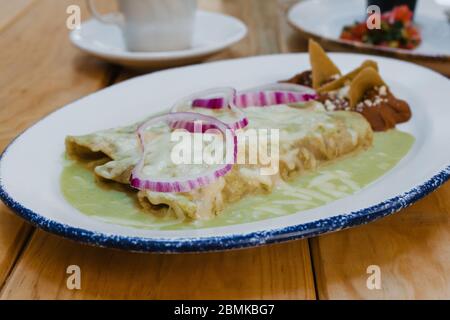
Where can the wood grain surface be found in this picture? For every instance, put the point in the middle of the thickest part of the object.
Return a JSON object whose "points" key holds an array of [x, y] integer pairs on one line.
{"points": [[273, 272], [11, 10], [411, 248], [41, 71]]}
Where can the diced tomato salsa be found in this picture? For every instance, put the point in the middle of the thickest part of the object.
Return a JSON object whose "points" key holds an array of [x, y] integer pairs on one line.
{"points": [[397, 30]]}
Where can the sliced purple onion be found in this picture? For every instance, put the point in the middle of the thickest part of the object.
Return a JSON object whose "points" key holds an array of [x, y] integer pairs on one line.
{"points": [[282, 87], [267, 95], [217, 98], [140, 181], [273, 94]]}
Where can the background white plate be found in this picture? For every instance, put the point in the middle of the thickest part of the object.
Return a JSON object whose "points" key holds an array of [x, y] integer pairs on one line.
{"points": [[31, 166], [325, 19], [213, 32]]}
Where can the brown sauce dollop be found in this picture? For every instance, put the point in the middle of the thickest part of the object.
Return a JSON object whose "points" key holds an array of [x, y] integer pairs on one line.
{"points": [[382, 109], [379, 106]]}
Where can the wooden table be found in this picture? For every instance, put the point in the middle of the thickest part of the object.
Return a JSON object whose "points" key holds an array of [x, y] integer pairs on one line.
{"points": [[41, 71]]}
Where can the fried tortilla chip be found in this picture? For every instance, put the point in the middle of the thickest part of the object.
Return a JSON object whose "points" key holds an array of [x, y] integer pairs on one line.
{"points": [[323, 69], [339, 83], [365, 80]]}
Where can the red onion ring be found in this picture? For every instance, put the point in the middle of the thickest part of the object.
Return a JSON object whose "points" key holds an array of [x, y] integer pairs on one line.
{"points": [[139, 181], [221, 98], [272, 94], [282, 87]]}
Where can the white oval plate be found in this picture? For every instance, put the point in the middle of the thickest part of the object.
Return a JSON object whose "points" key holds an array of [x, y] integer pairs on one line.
{"points": [[30, 167], [213, 33], [324, 19]]}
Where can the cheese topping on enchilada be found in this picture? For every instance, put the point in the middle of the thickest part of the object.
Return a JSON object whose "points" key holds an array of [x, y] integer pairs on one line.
{"points": [[307, 139]]}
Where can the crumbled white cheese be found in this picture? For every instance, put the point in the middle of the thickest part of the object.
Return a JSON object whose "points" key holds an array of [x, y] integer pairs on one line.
{"points": [[377, 101], [382, 90], [343, 92], [330, 105], [360, 107]]}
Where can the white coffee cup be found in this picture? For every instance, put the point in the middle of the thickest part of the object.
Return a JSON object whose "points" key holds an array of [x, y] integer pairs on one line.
{"points": [[153, 25]]}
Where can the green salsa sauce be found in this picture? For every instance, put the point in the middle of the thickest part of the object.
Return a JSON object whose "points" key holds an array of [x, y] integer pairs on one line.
{"points": [[115, 203]]}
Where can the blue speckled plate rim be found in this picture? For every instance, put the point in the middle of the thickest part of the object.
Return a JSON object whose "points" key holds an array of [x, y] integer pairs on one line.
{"points": [[219, 243]]}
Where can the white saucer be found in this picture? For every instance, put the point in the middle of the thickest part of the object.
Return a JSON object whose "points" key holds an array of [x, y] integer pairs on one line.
{"points": [[213, 33]]}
